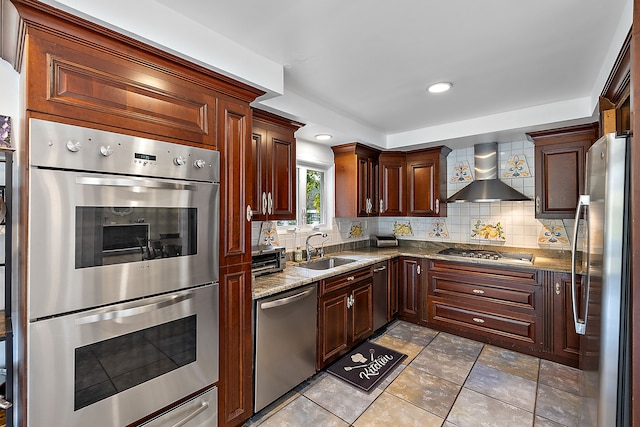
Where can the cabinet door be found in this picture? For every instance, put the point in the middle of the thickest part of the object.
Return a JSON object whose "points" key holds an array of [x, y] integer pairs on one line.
{"points": [[364, 177], [566, 342], [559, 162], [392, 299], [362, 311], [259, 164], [333, 327], [282, 182], [392, 184], [236, 351], [236, 184], [411, 271], [422, 185]]}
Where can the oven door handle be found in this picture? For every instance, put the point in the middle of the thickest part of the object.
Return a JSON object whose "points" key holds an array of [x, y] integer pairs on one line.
{"points": [[132, 182], [133, 311]]}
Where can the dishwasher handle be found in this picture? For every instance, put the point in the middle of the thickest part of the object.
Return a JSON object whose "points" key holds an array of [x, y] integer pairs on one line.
{"points": [[379, 269], [286, 300]]}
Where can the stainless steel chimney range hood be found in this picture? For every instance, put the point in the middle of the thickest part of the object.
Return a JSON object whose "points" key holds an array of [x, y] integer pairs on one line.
{"points": [[487, 187]]}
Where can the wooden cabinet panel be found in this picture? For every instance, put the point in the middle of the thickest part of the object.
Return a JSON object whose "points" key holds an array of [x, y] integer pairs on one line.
{"points": [[427, 182], [274, 162], [489, 303], [488, 323], [345, 314], [362, 310], [356, 174], [392, 177], [409, 288], [565, 341], [340, 281], [559, 162], [236, 351], [117, 89], [392, 300], [333, 332], [235, 149]]}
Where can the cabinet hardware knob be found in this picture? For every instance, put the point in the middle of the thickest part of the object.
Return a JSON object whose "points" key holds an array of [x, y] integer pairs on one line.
{"points": [[350, 278], [538, 210], [437, 206], [381, 206], [249, 213], [418, 269], [478, 291], [478, 320], [557, 288], [270, 203]]}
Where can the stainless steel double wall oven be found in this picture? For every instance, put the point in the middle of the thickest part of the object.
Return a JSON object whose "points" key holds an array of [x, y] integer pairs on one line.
{"points": [[123, 272]]}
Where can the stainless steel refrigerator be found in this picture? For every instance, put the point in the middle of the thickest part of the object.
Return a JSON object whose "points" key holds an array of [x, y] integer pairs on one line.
{"points": [[600, 304]]}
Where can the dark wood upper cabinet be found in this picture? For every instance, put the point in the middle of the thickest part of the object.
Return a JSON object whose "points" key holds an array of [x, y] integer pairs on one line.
{"points": [[392, 166], [560, 156], [274, 164], [87, 78], [427, 181], [356, 171]]}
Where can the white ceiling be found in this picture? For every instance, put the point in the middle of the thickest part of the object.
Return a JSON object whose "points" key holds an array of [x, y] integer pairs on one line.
{"points": [[359, 68]]}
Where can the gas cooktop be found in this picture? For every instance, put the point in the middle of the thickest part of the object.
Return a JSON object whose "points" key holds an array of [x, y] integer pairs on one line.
{"points": [[513, 257]]}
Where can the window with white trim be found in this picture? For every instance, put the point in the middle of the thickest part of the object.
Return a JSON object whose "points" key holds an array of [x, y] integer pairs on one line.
{"points": [[312, 197]]}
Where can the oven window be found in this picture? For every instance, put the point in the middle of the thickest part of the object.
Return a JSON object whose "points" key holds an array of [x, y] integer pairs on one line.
{"points": [[118, 235], [109, 367]]}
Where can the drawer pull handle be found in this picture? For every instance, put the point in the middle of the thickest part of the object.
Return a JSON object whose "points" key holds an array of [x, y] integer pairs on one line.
{"points": [[350, 278], [478, 320], [478, 291], [557, 288]]}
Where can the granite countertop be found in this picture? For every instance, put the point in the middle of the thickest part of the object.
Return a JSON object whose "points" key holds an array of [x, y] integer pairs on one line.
{"points": [[294, 276]]}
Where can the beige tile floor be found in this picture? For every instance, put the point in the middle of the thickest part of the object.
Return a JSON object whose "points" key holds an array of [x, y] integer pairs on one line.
{"points": [[445, 381]]}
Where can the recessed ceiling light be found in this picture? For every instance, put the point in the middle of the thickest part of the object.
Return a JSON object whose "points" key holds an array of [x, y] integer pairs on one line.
{"points": [[323, 137], [439, 87]]}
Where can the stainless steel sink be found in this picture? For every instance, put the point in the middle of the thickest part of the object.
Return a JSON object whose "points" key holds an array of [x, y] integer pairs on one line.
{"points": [[325, 263]]}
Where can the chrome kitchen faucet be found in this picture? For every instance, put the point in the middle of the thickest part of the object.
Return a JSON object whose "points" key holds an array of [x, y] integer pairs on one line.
{"points": [[308, 247]]}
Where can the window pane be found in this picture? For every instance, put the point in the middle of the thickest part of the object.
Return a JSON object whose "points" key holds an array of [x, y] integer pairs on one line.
{"points": [[314, 199]]}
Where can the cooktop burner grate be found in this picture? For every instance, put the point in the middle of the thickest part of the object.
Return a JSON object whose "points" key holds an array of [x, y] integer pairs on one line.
{"points": [[488, 255]]}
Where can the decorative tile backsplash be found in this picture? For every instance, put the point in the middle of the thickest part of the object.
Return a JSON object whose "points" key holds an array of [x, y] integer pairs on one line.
{"points": [[439, 229], [462, 172], [268, 234], [553, 232], [402, 228], [516, 167], [356, 229], [488, 229]]}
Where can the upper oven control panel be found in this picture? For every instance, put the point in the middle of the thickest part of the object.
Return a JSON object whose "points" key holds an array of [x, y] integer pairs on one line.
{"points": [[62, 146]]}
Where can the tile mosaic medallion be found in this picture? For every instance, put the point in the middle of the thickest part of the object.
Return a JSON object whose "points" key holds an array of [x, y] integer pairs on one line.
{"points": [[439, 229], [516, 167], [268, 234], [402, 228], [462, 172], [488, 230], [356, 229], [553, 232]]}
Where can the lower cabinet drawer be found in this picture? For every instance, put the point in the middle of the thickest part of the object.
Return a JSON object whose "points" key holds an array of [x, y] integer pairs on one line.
{"points": [[201, 411], [520, 329]]}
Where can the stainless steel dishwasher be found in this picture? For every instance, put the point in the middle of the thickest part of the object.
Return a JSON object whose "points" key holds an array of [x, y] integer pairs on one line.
{"points": [[380, 294], [285, 342]]}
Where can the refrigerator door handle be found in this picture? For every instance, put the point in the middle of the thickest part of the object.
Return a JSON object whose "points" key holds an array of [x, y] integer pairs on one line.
{"points": [[580, 324]]}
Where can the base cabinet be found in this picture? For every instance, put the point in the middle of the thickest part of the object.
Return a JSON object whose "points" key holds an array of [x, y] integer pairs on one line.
{"points": [[411, 284], [345, 314], [487, 303], [564, 341]]}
